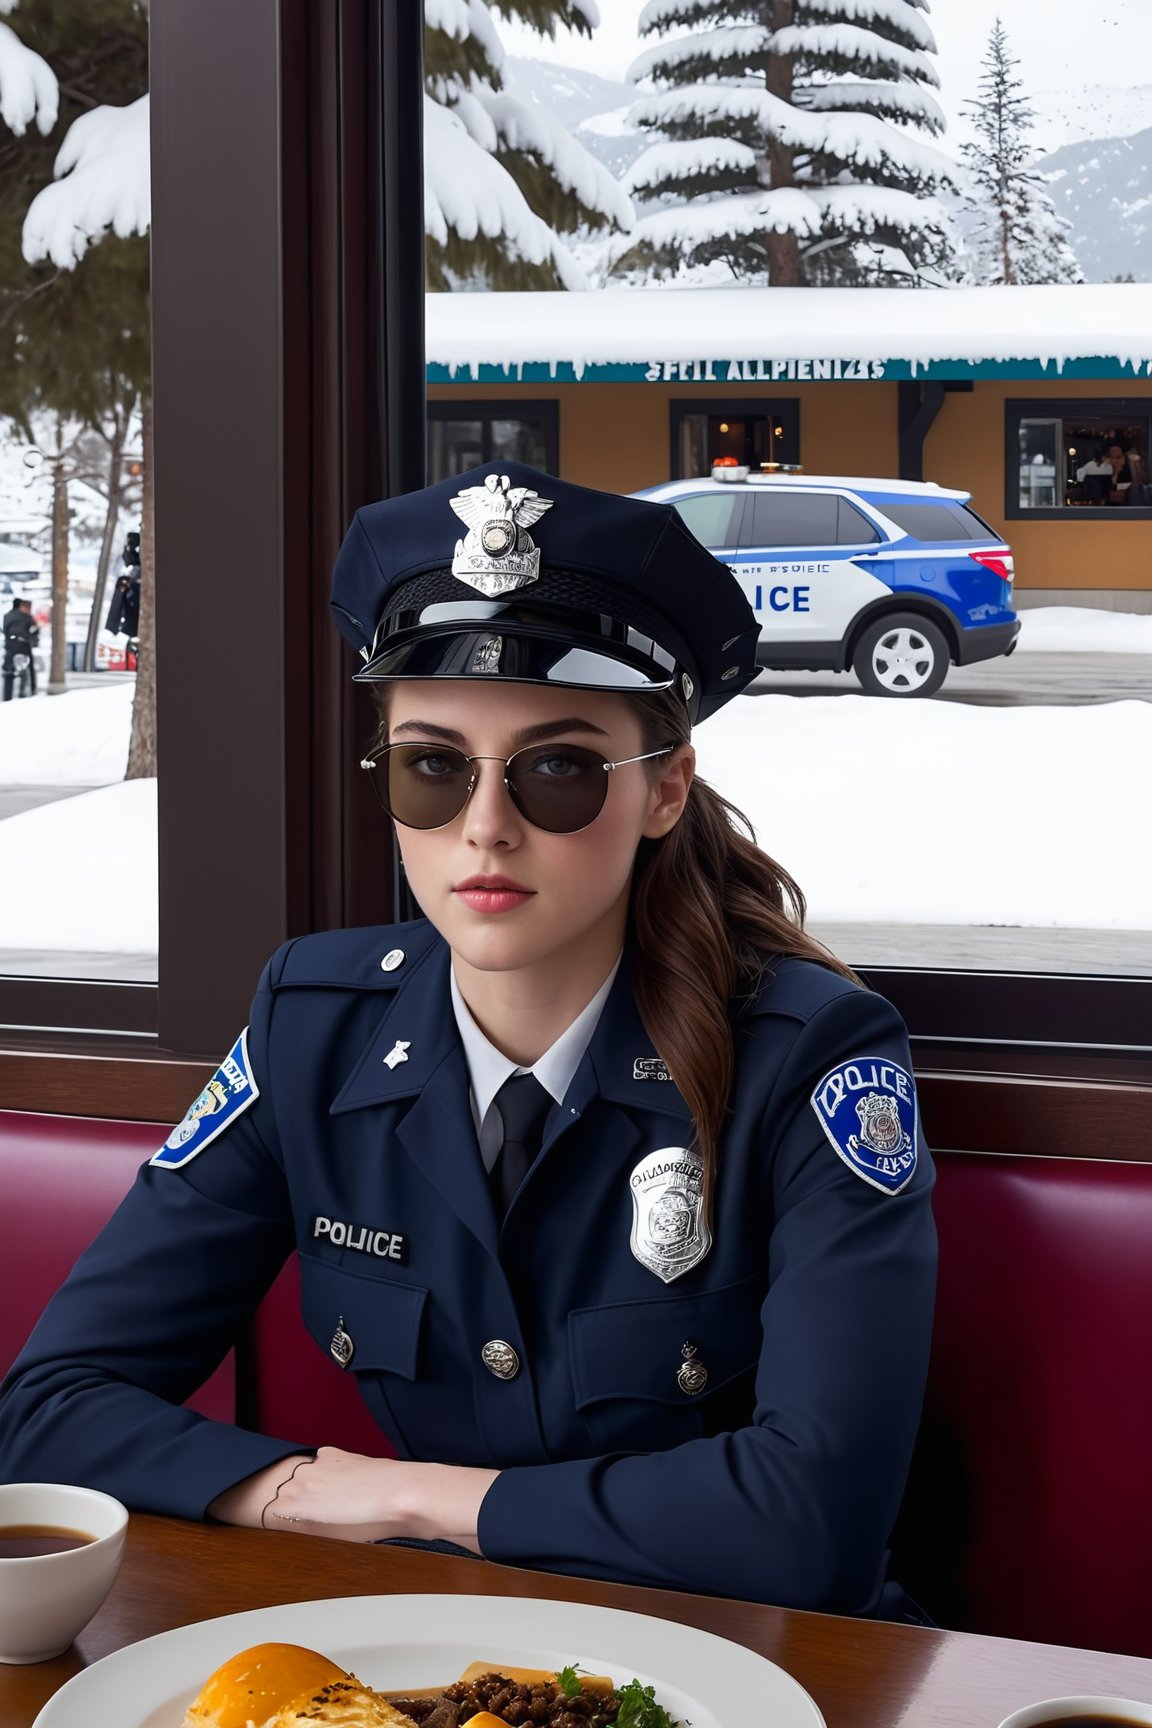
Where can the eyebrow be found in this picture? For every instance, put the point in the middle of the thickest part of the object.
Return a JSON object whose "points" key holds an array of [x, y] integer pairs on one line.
{"points": [[525, 735]]}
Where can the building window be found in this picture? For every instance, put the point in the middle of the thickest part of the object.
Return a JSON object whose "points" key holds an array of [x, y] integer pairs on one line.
{"points": [[760, 434], [461, 435], [1063, 457]]}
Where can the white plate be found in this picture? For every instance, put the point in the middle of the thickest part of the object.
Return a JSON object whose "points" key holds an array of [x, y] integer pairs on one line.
{"points": [[392, 1642]]}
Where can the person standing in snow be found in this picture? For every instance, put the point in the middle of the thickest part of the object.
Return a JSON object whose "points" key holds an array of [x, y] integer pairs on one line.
{"points": [[21, 634], [606, 1181]]}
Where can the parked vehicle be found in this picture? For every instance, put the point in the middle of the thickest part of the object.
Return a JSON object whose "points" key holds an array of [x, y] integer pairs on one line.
{"points": [[895, 579]]}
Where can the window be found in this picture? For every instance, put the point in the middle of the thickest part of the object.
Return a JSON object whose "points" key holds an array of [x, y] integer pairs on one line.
{"points": [[712, 516], [782, 518], [78, 856], [1067, 456], [759, 434], [943, 521], [462, 435]]}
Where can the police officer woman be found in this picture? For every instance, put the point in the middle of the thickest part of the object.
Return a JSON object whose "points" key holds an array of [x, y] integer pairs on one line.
{"points": [[606, 1182]]}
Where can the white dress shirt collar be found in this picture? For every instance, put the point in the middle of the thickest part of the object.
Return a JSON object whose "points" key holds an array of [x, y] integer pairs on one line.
{"points": [[488, 1068]]}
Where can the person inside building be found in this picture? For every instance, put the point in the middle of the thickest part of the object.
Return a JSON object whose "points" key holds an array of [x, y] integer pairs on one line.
{"points": [[607, 1181]]}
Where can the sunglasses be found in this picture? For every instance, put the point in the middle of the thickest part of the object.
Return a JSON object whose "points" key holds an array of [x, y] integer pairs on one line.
{"points": [[558, 787]]}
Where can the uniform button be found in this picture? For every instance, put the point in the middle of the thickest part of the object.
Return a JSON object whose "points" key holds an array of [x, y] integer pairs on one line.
{"points": [[500, 1359], [393, 958]]}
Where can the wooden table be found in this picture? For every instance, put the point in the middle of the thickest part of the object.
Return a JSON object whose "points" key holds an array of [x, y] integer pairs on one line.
{"points": [[863, 1674]]}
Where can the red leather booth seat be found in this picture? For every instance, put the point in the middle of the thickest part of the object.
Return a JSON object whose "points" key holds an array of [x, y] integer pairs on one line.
{"points": [[61, 1178], [1030, 1511]]}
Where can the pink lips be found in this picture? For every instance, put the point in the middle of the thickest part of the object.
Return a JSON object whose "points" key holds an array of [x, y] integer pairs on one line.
{"points": [[492, 893]]}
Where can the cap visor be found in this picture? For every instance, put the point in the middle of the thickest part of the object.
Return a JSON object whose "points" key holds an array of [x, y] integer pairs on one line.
{"points": [[524, 659]]}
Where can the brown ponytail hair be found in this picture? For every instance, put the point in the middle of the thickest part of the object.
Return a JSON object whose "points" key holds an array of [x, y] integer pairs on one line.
{"points": [[709, 909]]}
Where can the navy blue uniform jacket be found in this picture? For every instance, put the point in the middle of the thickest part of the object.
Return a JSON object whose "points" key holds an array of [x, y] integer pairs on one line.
{"points": [[811, 1313]]}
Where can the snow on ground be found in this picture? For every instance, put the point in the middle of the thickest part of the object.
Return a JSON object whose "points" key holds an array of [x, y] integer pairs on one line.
{"points": [[1083, 630], [940, 812], [79, 739], [80, 874], [950, 813]]}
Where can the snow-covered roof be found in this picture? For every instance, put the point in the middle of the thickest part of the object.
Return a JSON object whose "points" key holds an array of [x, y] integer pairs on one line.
{"points": [[736, 334]]}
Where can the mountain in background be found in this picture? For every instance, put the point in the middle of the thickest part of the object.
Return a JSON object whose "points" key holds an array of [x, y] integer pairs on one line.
{"points": [[1104, 188], [1098, 163]]}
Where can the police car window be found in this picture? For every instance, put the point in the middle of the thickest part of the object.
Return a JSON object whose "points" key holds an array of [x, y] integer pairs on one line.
{"points": [[712, 516], [853, 527], [793, 519], [943, 521]]}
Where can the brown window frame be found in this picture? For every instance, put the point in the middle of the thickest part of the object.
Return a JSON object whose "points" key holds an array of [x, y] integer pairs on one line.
{"points": [[285, 280]]}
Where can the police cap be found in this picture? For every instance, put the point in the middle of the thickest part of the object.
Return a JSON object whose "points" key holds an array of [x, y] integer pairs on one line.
{"points": [[506, 572]]}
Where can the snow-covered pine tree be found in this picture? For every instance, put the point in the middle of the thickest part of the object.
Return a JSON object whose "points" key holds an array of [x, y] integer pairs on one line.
{"points": [[503, 182], [1017, 235], [791, 152]]}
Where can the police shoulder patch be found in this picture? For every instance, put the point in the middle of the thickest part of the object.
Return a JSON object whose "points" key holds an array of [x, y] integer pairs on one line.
{"points": [[867, 1108], [229, 1092]]}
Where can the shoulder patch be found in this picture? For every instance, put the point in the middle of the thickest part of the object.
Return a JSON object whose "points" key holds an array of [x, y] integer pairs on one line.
{"points": [[867, 1108], [229, 1092]]}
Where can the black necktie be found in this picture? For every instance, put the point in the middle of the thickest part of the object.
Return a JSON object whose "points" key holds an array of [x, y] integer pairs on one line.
{"points": [[523, 1104]]}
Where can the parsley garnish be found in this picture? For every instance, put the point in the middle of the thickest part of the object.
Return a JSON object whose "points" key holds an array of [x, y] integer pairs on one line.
{"points": [[639, 1709], [568, 1680]]}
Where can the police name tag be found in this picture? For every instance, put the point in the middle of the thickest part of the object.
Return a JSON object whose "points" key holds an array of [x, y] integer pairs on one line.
{"points": [[229, 1092], [670, 1234], [867, 1108]]}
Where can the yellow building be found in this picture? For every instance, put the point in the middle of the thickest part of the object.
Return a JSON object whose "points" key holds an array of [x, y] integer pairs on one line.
{"points": [[1016, 395]]}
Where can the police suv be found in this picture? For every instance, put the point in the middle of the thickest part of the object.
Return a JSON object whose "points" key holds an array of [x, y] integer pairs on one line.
{"points": [[893, 578]]}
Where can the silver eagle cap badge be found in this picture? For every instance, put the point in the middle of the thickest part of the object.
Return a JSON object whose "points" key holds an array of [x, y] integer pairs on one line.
{"points": [[498, 555]]}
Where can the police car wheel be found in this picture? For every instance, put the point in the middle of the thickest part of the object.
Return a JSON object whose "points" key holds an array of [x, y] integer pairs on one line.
{"points": [[901, 655]]}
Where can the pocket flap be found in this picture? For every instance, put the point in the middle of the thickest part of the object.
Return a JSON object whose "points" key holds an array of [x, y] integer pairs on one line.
{"points": [[380, 1316], [635, 1349]]}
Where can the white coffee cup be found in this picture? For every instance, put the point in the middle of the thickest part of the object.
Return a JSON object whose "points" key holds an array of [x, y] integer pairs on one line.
{"points": [[46, 1599], [1053, 1710]]}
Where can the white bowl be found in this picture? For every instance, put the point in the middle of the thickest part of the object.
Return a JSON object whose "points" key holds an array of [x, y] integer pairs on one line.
{"points": [[46, 1599], [1119, 1710]]}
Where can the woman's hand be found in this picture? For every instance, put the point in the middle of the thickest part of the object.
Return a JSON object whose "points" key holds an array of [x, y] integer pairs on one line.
{"points": [[359, 1499]]}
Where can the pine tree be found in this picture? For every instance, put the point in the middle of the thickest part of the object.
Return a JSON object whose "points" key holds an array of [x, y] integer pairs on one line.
{"points": [[1017, 235], [791, 154], [504, 183], [74, 336]]}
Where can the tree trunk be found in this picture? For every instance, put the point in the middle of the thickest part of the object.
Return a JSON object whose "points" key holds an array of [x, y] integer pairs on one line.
{"points": [[142, 749], [57, 671], [782, 250], [115, 481]]}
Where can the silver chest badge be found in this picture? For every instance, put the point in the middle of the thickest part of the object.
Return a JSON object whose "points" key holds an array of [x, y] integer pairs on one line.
{"points": [[669, 1231], [498, 555]]}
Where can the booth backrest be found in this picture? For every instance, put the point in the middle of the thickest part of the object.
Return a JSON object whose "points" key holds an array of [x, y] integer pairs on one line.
{"points": [[61, 1179], [1030, 1509]]}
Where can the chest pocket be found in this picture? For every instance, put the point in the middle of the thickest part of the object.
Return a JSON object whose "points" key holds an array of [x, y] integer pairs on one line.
{"points": [[626, 1361], [382, 1318]]}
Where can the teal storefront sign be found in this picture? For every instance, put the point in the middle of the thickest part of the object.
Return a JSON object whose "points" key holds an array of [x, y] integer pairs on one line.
{"points": [[762, 370]]}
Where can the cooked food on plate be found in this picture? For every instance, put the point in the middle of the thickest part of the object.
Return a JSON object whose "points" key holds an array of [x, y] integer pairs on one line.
{"points": [[288, 1686]]}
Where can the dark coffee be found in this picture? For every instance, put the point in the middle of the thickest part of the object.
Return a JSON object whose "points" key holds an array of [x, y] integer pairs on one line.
{"points": [[1093, 1721], [21, 1541]]}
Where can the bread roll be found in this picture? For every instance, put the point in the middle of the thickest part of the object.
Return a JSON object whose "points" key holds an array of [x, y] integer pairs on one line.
{"points": [[340, 1704], [249, 1689]]}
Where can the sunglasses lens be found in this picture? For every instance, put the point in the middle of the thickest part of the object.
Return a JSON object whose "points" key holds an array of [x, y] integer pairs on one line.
{"points": [[558, 787], [423, 785]]}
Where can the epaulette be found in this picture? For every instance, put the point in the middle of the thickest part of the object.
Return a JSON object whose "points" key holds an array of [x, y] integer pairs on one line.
{"points": [[797, 988], [373, 957]]}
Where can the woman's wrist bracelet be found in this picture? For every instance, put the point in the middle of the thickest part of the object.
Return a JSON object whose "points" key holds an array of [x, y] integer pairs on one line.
{"points": [[275, 1497]]}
